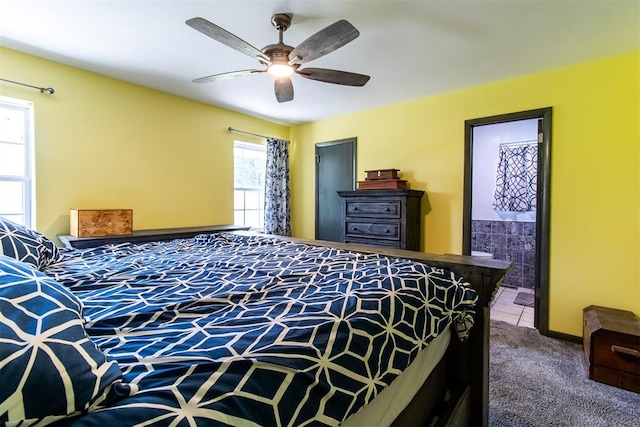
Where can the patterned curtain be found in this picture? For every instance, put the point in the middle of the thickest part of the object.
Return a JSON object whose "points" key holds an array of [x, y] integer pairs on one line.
{"points": [[516, 179], [277, 211]]}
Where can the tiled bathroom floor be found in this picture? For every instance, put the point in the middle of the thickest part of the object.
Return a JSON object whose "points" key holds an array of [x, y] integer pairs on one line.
{"points": [[503, 308]]}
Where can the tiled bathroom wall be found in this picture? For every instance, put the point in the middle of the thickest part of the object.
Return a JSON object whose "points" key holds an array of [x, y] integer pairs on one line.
{"points": [[512, 241]]}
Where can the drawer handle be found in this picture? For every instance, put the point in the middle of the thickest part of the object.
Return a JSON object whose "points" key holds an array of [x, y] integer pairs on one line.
{"points": [[354, 228], [624, 350], [387, 209], [387, 231], [355, 208]]}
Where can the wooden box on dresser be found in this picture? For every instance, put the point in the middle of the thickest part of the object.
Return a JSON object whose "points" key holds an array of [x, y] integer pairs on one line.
{"points": [[389, 218]]}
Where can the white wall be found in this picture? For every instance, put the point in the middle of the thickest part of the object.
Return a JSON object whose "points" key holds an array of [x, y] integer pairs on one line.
{"points": [[486, 140]]}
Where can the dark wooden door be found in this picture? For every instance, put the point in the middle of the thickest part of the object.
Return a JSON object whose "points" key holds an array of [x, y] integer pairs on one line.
{"points": [[335, 171]]}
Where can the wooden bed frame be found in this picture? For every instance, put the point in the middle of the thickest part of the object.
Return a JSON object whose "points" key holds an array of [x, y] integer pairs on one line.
{"points": [[465, 370]]}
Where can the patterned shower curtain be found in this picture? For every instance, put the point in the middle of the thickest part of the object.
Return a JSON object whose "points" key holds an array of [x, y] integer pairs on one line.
{"points": [[516, 179], [277, 210]]}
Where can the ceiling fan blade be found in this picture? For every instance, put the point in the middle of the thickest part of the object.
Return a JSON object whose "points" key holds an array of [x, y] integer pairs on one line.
{"points": [[225, 37], [324, 41], [334, 76], [284, 89], [229, 75]]}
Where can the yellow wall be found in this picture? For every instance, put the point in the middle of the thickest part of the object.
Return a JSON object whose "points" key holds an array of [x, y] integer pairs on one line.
{"points": [[104, 143], [595, 167]]}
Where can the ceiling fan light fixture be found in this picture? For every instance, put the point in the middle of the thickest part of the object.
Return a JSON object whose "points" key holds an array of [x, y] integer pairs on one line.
{"points": [[281, 60], [280, 70]]}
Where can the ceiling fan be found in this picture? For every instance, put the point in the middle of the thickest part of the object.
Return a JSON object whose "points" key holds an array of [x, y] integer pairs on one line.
{"points": [[282, 60]]}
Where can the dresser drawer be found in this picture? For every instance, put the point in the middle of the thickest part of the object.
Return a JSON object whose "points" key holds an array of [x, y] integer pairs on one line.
{"points": [[373, 229], [394, 244], [377, 209]]}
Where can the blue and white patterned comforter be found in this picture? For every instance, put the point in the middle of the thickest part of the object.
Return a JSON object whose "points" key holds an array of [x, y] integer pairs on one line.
{"points": [[250, 330]]}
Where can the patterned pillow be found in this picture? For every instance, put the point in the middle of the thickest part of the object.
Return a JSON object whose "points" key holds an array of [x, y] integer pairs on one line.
{"points": [[49, 368], [23, 244]]}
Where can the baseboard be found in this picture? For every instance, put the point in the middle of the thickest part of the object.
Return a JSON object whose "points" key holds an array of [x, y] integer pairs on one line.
{"points": [[565, 337]]}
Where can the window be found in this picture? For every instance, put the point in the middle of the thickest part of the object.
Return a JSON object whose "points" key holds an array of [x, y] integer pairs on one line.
{"points": [[249, 171], [16, 161]]}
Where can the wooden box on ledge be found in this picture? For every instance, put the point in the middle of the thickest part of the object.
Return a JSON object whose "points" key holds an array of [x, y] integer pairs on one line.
{"points": [[100, 222]]}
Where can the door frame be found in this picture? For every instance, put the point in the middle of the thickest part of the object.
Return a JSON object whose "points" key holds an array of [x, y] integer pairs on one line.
{"points": [[353, 141], [543, 211]]}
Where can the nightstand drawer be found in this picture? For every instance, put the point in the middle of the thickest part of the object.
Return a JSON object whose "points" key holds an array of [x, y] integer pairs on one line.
{"points": [[373, 229], [618, 351], [377, 209]]}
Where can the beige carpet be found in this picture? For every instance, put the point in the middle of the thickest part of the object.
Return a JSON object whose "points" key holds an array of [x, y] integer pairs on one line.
{"points": [[540, 381]]}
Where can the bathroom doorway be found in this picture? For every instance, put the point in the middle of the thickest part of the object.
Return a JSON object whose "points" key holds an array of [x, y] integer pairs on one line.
{"points": [[506, 200]]}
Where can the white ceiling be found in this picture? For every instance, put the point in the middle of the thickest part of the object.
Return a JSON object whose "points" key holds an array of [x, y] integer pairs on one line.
{"points": [[411, 49]]}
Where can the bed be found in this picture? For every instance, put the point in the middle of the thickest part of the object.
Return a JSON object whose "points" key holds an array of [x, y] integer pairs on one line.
{"points": [[241, 329]]}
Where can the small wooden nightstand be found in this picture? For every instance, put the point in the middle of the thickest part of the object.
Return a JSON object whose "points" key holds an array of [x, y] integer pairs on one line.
{"points": [[612, 346], [142, 236]]}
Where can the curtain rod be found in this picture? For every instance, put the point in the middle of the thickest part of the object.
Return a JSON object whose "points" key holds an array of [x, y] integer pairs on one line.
{"points": [[47, 90], [230, 129], [516, 143]]}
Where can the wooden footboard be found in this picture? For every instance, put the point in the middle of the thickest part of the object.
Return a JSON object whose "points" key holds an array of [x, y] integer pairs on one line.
{"points": [[468, 375]]}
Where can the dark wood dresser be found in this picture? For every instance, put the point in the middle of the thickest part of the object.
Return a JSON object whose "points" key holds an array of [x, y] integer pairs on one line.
{"points": [[389, 218], [612, 346], [143, 236]]}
